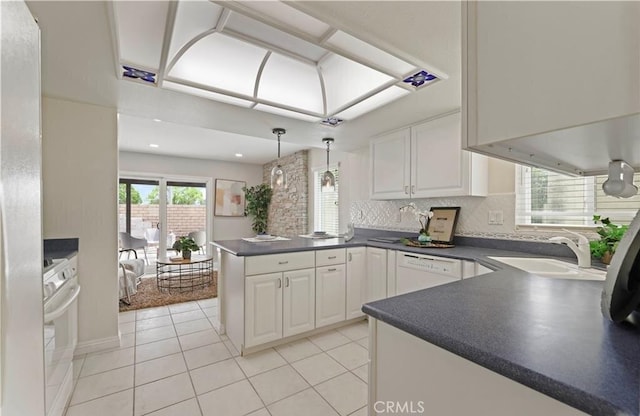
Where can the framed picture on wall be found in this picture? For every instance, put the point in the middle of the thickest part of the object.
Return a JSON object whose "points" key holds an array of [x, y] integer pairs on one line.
{"points": [[229, 198]]}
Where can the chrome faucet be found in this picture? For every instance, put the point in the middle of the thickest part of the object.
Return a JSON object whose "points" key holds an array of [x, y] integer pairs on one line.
{"points": [[582, 250]]}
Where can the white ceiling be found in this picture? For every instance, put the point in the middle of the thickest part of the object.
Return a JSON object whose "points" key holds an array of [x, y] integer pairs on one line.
{"points": [[78, 63]]}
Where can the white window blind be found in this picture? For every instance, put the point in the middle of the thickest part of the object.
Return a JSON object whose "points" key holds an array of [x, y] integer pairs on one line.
{"points": [[326, 214], [545, 197]]}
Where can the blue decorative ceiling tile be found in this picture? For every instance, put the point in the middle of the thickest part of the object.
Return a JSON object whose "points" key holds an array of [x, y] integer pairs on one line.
{"points": [[332, 121], [419, 78], [134, 73]]}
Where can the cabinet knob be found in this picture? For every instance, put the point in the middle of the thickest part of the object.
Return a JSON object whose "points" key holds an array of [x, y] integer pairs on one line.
{"points": [[350, 256], [332, 270], [283, 262], [286, 281], [331, 257], [279, 283], [413, 189], [406, 189]]}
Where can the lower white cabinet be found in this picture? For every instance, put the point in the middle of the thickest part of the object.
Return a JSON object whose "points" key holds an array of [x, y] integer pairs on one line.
{"points": [[278, 304], [376, 274], [473, 268], [330, 295], [356, 281]]}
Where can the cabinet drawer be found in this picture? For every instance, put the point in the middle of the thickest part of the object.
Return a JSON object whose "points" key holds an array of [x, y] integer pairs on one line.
{"points": [[329, 257], [278, 262]]}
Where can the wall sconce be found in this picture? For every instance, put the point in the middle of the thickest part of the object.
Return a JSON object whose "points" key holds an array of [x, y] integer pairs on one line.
{"points": [[278, 175], [620, 180]]}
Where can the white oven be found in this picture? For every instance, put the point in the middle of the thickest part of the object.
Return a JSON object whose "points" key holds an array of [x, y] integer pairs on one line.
{"points": [[61, 290]]}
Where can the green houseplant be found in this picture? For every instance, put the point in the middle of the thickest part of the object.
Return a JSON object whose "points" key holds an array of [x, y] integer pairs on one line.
{"points": [[185, 245], [610, 236], [258, 199]]}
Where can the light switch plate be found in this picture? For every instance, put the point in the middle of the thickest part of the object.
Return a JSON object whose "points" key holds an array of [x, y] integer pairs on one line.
{"points": [[496, 218]]}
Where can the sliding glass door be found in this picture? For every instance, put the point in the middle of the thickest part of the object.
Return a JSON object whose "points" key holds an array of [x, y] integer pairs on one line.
{"points": [[139, 218], [186, 213]]}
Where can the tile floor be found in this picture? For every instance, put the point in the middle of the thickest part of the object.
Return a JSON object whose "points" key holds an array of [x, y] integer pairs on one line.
{"points": [[172, 362]]}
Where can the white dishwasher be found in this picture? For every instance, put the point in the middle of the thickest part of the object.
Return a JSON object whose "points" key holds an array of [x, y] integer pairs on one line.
{"points": [[419, 271]]}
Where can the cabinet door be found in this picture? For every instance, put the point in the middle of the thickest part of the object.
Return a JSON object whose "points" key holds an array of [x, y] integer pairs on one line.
{"points": [[299, 301], [376, 274], [263, 308], [390, 166], [330, 295], [356, 286]]}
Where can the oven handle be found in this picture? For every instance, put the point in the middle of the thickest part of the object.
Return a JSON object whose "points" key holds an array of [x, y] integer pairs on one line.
{"points": [[56, 313]]}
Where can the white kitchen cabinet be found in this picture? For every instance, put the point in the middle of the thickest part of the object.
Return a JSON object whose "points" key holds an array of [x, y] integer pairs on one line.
{"points": [[279, 305], [299, 300], [473, 268], [263, 304], [425, 161], [526, 95], [330, 295], [356, 281], [407, 370], [376, 274]]}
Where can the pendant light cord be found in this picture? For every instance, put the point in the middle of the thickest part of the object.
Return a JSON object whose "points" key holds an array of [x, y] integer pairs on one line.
{"points": [[328, 144], [278, 145]]}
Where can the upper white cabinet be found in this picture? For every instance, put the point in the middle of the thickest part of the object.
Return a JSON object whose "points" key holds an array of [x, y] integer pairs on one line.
{"points": [[552, 84], [426, 161]]}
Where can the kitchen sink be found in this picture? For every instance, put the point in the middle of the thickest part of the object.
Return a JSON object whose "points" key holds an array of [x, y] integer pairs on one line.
{"points": [[552, 268]]}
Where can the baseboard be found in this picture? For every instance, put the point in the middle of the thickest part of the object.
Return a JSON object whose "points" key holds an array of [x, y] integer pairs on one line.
{"points": [[95, 345]]}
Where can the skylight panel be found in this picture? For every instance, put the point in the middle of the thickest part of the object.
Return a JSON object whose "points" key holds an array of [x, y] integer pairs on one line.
{"points": [[206, 94], [223, 62], [265, 33], [192, 18], [292, 83], [289, 16], [371, 103], [346, 81]]}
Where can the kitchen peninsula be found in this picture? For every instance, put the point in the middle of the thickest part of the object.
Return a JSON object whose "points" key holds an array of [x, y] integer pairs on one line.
{"points": [[543, 338]]}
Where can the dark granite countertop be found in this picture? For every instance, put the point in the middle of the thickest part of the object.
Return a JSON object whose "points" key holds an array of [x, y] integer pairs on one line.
{"points": [[547, 334]]}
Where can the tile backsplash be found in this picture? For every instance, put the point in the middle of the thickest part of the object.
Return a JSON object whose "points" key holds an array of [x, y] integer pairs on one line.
{"points": [[473, 221]]}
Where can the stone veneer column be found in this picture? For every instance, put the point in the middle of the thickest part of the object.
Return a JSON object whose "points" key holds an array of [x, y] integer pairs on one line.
{"points": [[288, 211]]}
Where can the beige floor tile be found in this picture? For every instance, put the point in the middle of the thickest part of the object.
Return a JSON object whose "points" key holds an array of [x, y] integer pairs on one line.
{"points": [[362, 372], [129, 316], [214, 376], [277, 384], [187, 316], [127, 327], [155, 334], [210, 312], [127, 340], [117, 404], [355, 331], [360, 412], [190, 327], [152, 312], [102, 384], [144, 324], [207, 303], [364, 342], [198, 339], [345, 393], [157, 349], [232, 348], [260, 362], [236, 399], [206, 355], [350, 355], [186, 408], [162, 393], [307, 403], [298, 350], [153, 370], [330, 339], [260, 412], [78, 362], [183, 307], [101, 362], [318, 368]]}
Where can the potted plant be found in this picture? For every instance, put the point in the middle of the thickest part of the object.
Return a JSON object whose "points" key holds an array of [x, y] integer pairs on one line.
{"points": [[258, 199], [610, 236], [185, 245]]}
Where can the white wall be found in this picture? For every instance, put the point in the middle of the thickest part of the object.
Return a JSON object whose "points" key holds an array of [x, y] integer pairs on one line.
{"points": [[224, 228], [80, 172]]}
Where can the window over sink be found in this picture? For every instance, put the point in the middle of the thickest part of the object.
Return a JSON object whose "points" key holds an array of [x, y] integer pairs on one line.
{"points": [[326, 210], [549, 198]]}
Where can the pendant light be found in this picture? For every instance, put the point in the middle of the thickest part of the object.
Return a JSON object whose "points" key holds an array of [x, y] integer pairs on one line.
{"points": [[328, 181], [278, 175]]}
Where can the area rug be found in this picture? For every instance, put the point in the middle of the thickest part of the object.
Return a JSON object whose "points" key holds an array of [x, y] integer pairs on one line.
{"points": [[148, 295]]}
